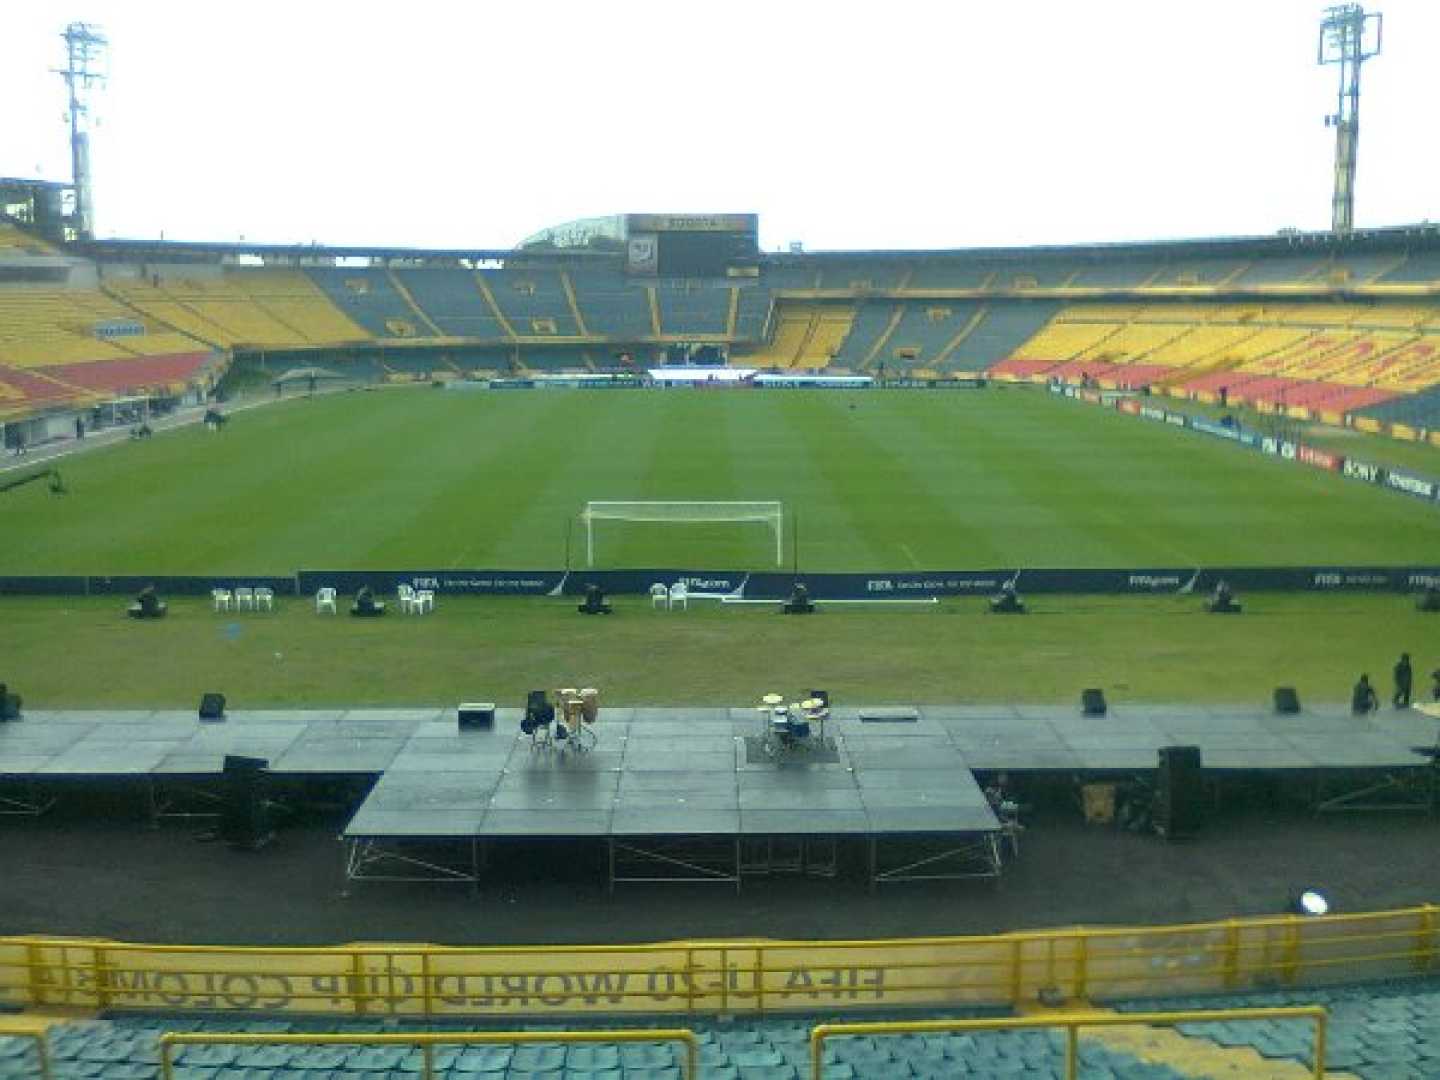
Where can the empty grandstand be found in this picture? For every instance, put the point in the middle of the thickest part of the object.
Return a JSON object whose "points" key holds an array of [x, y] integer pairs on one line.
{"points": [[1342, 331]]}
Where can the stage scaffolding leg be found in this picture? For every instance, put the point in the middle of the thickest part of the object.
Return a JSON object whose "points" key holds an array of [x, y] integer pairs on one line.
{"points": [[683, 860], [964, 856], [1409, 792], [364, 855]]}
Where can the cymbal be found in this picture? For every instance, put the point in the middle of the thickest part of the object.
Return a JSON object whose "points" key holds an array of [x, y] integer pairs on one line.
{"points": [[812, 703], [772, 699]]}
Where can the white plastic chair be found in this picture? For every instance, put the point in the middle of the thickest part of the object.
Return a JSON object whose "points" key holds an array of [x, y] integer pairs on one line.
{"points": [[224, 601], [424, 600], [407, 599], [244, 599], [679, 596], [325, 600], [265, 598], [659, 596]]}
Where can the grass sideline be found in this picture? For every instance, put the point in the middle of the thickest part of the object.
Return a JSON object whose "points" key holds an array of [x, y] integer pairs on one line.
{"points": [[83, 653], [882, 481]]}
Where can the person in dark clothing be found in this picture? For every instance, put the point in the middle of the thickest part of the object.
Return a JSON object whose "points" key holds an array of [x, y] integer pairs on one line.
{"points": [[1007, 601], [79, 428], [366, 606], [1362, 698], [1404, 678], [1222, 600], [1435, 690]]}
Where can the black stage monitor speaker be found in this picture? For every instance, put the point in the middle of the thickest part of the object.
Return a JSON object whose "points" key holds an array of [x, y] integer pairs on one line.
{"points": [[1179, 797], [1286, 700], [212, 706], [244, 815], [1092, 702], [477, 716]]}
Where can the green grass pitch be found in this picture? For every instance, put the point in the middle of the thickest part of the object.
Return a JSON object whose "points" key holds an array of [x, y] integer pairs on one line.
{"points": [[420, 478], [877, 481]]}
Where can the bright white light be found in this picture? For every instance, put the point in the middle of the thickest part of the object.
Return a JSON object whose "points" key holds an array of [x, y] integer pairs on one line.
{"points": [[1314, 902]]}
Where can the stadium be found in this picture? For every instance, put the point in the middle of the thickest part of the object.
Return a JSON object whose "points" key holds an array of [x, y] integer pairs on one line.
{"points": [[634, 654]]}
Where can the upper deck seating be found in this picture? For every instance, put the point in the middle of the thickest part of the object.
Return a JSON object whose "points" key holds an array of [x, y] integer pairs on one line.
{"points": [[692, 306], [533, 301], [453, 301]]}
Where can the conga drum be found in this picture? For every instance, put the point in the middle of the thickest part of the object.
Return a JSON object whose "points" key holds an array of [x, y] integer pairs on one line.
{"points": [[590, 704]]}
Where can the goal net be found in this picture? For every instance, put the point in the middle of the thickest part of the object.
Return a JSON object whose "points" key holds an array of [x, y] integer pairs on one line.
{"points": [[654, 512]]}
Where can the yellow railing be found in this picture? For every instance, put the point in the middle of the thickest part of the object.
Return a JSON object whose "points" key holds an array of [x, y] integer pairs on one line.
{"points": [[25, 1027], [1072, 1024], [721, 976], [428, 1040]]}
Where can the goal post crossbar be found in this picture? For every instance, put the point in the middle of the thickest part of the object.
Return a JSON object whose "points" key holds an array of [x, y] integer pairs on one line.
{"points": [[685, 512]]}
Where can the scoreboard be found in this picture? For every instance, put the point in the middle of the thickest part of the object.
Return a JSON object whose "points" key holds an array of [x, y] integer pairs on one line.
{"points": [[690, 245]]}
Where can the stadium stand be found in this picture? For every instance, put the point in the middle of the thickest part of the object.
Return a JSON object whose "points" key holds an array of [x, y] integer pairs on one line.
{"points": [[874, 322], [612, 307], [1419, 410], [925, 331], [1324, 359], [532, 302], [126, 1046], [368, 297], [1386, 1029], [1005, 326], [751, 310], [14, 240], [941, 275], [806, 336], [454, 303], [239, 308], [1211, 272], [292, 299], [693, 308], [1418, 267], [1116, 275], [871, 276], [67, 346]]}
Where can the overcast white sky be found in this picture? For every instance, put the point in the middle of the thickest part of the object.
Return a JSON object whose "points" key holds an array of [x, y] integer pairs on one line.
{"points": [[878, 124]]}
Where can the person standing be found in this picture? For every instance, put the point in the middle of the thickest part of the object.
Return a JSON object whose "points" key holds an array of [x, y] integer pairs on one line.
{"points": [[1404, 679]]}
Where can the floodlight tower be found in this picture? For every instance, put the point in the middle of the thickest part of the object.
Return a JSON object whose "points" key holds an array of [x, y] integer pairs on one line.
{"points": [[84, 58], [1348, 37]]}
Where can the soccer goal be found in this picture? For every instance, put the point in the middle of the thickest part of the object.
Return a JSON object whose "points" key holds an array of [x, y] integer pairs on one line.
{"points": [[657, 512]]}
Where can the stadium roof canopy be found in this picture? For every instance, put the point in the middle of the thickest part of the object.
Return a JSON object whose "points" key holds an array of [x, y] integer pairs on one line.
{"points": [[603, 232], [1421, 236]]}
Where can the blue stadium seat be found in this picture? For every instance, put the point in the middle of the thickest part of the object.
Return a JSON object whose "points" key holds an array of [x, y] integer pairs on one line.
{"points": [[480, 1060], [646, 1055], [592, 1056], [538, 1057]]}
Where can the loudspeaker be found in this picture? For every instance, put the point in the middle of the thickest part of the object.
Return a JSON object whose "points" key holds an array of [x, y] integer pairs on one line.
{"points": [[9, 704], [212, 706], [1179, 794], [1286, 700], [1092, 702], [244, 817], [477, 716]]}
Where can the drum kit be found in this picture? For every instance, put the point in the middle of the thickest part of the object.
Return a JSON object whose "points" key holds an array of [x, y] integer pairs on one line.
{"points": [[578, 711], [792, 726]]}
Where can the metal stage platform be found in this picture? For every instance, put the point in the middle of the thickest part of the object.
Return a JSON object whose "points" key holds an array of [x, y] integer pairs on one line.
{"points": [[683, 794]]}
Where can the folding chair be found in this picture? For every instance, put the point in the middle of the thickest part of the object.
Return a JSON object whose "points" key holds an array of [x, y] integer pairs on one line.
{"points": [[679, 596], [265, 598], [244, 599], [325, 600], [659, 596], [223, 599]]}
